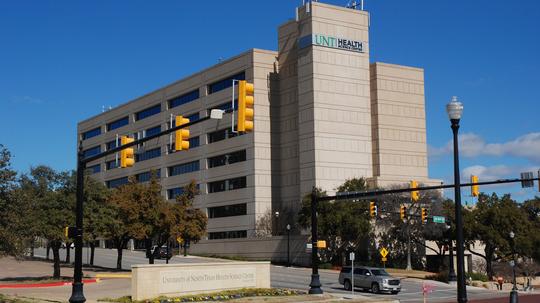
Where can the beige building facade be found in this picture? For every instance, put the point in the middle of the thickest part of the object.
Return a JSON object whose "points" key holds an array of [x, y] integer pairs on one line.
{"points": [[323, 114]]}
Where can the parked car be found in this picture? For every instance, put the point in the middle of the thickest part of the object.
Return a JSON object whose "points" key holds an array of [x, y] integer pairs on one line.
{"points": [[161, 252], [369, 278]]}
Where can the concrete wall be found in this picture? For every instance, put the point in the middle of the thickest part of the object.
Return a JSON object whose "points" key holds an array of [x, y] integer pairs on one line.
{"points": [[149, 281], [398, 124], [273, 249]]}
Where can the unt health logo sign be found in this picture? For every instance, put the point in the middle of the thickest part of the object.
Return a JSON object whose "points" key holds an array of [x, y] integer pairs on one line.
{"points": [[331, 42]]}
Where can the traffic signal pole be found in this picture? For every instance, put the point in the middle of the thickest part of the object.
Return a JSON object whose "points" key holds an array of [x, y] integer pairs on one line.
{"points": [[77, 292], [315, 285]]}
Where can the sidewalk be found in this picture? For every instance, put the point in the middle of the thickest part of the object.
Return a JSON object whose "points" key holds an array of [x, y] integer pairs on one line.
{"points": [[14, 271]]}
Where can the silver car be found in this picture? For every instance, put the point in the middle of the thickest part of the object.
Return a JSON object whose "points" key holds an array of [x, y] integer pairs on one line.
{"points": [[375, 279]]}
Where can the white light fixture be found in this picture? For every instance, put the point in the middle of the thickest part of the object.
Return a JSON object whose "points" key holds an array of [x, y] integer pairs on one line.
{"points": [[454, 109], [216, 114]]}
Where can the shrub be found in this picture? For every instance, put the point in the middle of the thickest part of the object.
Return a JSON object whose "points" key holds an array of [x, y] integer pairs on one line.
{"points": [[477, 276], [441, 277]]}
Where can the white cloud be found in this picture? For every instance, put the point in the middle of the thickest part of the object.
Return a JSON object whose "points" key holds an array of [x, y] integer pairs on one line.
{"points": [[26, 100], [472, 145]]}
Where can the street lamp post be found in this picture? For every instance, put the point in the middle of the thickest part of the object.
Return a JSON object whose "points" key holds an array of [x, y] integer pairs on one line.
{"points": [[513, 293], [288, 245], [454, 110], [77, 290], [451, 270], [315, 285]]}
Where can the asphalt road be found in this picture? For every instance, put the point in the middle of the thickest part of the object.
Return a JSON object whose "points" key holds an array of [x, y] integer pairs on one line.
{"points": [[299, 278]]}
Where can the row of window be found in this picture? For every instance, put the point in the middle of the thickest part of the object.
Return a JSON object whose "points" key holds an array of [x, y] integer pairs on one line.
{"points": [[227, 211], [227, 234], [177, 101], [213, 187]]}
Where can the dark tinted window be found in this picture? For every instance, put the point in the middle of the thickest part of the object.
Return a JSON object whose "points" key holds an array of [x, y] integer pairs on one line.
{"points": [[185, 98], [227, 234], [193, 117], [173, 192], [227, 211], [379, 272], [149, 154], [118, 123], [237, 183], [152, 131], [91, 133], [346, 270], [145, 113], [225, 159], [92, 151], [224, 106], [230, 184], [94, 169], [111, 164], [184, 168], [194, 142], [117, 182], [146, 176], [221, 135], [225, 83], [112, 144]]}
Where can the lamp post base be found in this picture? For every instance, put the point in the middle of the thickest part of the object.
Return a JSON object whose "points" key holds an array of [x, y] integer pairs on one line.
{"points": [[77, 295], [315, 285], [513, 296]]}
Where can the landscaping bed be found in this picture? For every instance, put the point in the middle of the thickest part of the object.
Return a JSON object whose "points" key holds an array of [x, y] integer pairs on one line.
{"points": [[226, 295]]}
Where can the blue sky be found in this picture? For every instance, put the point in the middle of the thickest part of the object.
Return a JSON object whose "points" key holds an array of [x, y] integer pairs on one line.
{"points": [[61, 61]]}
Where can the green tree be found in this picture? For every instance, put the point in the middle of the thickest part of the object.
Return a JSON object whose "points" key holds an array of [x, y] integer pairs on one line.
{"points": [[187, 221], [97, 213], [405, 239], [343, 224], [494, 218], [49, 191], [16, 212], [531, 248]]}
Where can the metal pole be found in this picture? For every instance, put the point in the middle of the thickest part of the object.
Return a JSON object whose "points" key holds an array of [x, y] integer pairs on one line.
{"points": [[461, 288], [451, 270], [77, 293], [288, 246], [513, 293], [315, 285]]}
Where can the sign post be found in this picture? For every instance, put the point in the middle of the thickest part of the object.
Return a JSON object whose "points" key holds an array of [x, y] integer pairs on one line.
{"points": [[351, 256], [384, 252]]}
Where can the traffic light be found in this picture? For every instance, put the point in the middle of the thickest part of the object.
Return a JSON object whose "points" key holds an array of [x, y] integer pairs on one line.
{"points": [[245, 106], [181, 135], [415, 195], [474, 188], [126, 155], [402, 212], [424, 215], [372, 209]]}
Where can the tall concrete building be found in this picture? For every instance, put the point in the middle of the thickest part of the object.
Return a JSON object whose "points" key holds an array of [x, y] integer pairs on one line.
{"points": [[323, 114]]}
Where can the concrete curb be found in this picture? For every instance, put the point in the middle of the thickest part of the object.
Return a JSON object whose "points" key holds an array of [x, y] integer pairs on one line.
{"points": [[36, 285]]}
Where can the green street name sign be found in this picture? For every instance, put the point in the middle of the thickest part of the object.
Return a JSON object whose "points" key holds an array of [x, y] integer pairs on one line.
{"points": [[331, 42], [438, 219]]}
